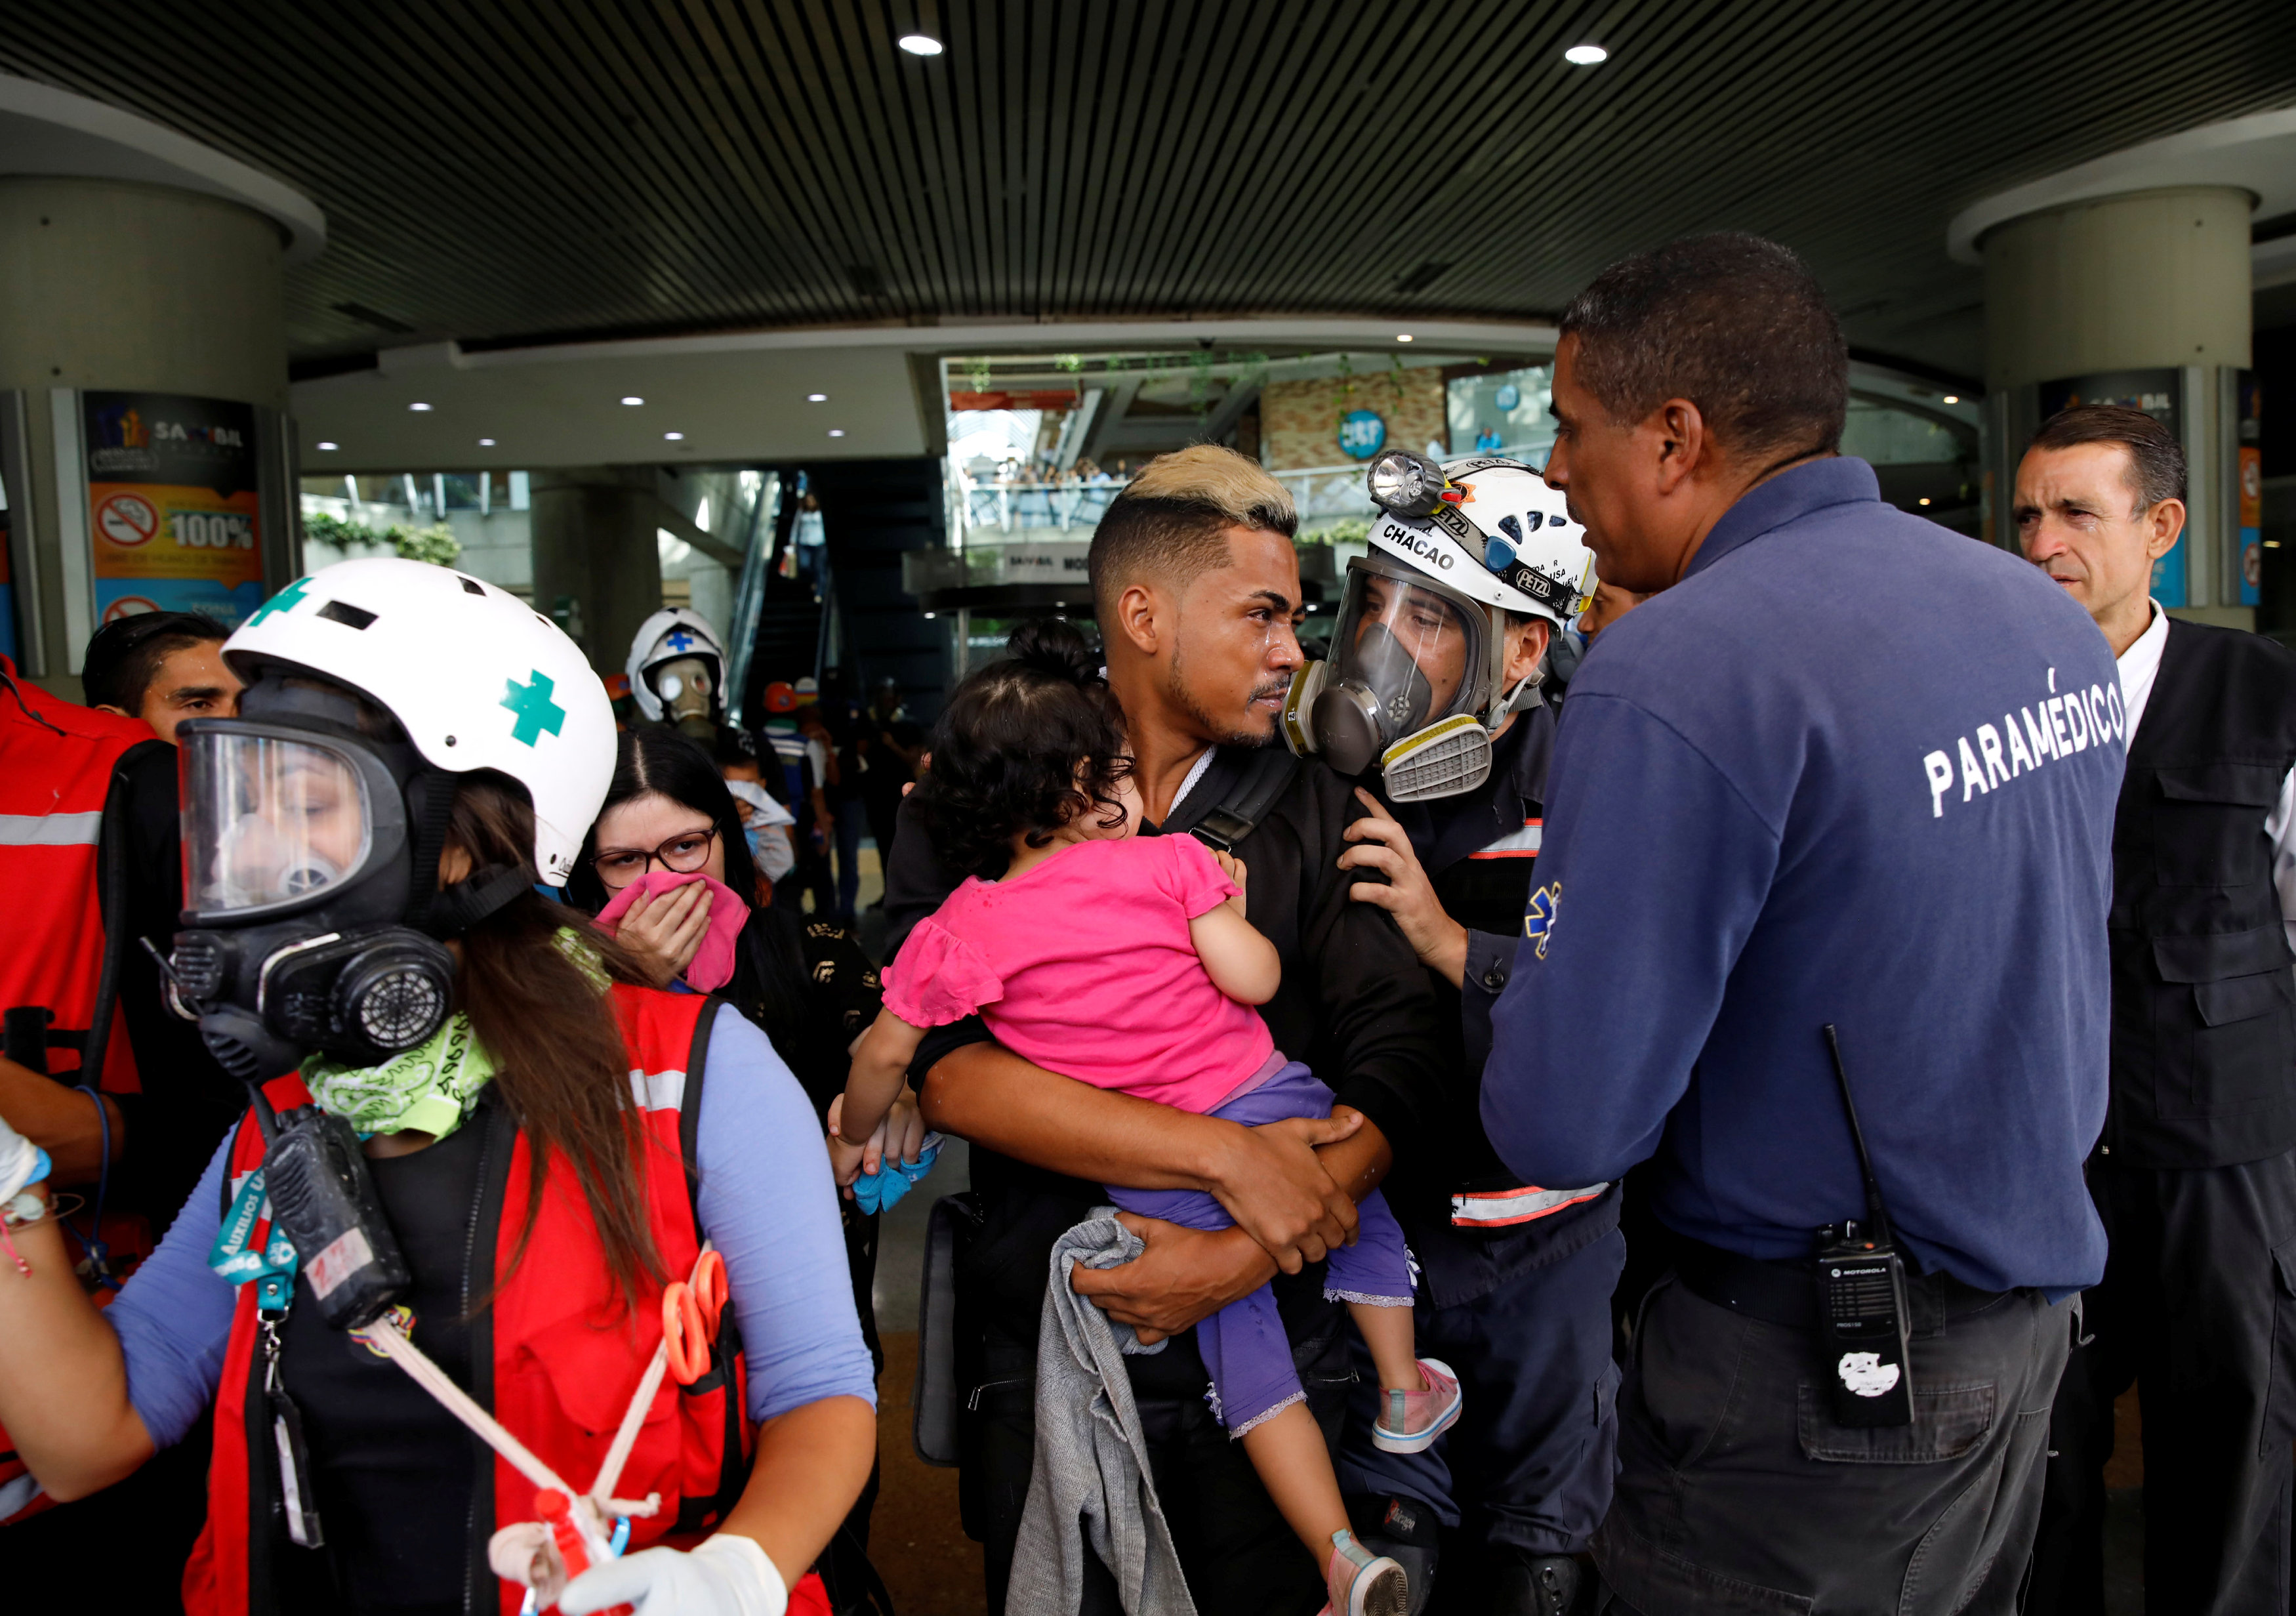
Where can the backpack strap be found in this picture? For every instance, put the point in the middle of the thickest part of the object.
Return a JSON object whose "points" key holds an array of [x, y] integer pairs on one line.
{"points": [[689, 1105], [733, 1467], [1264, 777]]}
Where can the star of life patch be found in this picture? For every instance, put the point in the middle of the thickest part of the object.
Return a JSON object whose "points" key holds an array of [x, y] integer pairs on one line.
{"points": [[1538, 918]]}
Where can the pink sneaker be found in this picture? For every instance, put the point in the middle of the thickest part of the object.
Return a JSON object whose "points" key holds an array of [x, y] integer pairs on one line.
{"points": [[1361, 1584], [1409, 1422]]}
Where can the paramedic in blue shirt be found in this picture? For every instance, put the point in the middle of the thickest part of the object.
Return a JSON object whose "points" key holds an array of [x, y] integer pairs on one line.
{"points": [[1897, 822]]}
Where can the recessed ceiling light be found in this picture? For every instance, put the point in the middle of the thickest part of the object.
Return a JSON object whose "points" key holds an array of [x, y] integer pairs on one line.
{"points": [[418, 408], [1925, 499], [816, 398], [485, 443], [632, 398], [1585, 55], [1953, 398], [928, 616], [837, 431], [324, 444], [1402, 336], [675, 437], [920, 45]]}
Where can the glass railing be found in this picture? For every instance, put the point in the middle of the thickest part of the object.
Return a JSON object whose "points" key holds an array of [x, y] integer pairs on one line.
{"points": [[988, 510]]}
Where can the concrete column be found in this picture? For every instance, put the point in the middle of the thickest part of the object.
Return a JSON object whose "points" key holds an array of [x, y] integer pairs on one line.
{"points": [[597, 567], [117, 284], [2123, 282], [2148, 280]]}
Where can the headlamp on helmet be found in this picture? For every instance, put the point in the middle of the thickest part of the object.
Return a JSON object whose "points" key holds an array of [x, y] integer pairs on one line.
{"points": [[1416, 683], [1409, 485]]}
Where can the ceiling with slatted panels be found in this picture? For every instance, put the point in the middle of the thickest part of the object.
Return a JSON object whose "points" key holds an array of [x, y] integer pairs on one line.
{"points": [[506, 172]]}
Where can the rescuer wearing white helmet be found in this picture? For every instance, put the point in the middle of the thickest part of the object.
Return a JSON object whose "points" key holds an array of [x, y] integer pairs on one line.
{"points": [[1434, 689], [1472, 570], [678, 672], [454, 1163]]}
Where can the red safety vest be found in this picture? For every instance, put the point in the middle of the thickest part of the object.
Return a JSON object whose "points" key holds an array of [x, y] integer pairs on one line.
{"points": [[562, 1356], [55, 771]]}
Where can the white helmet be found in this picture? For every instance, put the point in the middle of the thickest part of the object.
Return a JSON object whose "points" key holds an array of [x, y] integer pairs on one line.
{"points": [[1417, 679], [477, 677], [676, 635]]}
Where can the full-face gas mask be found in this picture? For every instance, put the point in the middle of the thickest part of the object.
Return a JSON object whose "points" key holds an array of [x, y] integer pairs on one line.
{"points": [[1416, 683], [311, 911], [678, 672]]}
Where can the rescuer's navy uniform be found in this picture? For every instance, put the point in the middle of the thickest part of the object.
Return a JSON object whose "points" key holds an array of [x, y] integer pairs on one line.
{"points": [[1854, 771], [2196, 1177], [1515, 1281]]}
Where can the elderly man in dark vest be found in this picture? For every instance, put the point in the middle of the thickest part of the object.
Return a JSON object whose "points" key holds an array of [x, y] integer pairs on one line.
{"points": [[2195, 1174]]}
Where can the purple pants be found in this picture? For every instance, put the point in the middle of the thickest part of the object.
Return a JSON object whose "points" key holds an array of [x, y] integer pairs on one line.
{"points": [[1243, 1344]]}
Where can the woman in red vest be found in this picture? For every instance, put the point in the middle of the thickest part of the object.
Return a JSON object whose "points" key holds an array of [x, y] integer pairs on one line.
{"points": [[547, 1145]]}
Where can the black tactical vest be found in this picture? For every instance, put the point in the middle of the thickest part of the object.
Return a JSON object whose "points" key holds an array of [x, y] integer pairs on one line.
{"points": [[2203, 1004]]}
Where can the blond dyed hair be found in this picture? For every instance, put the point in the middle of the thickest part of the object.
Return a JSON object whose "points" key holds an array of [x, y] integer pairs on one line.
{"points": [[1171, 520]]}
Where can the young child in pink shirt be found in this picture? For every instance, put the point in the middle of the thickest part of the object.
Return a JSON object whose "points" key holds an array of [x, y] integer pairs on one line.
{"points": [[1127, 963]]}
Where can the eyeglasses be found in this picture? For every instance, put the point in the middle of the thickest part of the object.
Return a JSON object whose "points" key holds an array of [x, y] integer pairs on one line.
{"points": [[684, 853]]}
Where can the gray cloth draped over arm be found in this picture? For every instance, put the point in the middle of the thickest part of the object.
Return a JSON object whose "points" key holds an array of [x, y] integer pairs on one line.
{"points": [[1090, 1492]]}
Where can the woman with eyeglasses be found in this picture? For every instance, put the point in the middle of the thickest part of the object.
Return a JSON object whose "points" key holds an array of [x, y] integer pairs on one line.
{"points": [[806, 984]]}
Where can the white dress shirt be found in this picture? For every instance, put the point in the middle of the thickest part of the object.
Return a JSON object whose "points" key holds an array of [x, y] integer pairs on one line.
{"points": [[2139, 667]]}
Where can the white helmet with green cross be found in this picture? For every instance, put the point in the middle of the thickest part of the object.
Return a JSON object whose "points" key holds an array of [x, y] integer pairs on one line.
{"points": [[477, 677]]}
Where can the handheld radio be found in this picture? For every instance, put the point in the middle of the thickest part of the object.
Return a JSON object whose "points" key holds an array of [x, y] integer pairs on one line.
{"points": [[1861, 1300], [323, 1198]]}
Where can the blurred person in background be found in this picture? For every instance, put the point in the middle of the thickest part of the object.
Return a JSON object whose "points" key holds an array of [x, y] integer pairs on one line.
{"points": [[161, 666], [768, 826], [805, 764], [892, 746]]}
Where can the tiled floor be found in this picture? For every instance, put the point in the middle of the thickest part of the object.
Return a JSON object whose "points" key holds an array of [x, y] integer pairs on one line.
{"points": [[930, 1567]]}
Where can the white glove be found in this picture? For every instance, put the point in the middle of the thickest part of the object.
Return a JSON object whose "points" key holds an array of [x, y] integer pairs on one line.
{"points": [[727, 1575], [22, 1161]]}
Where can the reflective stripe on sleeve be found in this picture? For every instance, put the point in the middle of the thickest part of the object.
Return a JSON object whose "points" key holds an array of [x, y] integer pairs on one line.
{"points": [[1516, 844], [1492, 1209], [51, 830]]}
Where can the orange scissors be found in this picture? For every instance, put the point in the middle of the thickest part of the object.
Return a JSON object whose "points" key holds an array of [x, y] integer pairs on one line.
{"points": [[690, 1314]]}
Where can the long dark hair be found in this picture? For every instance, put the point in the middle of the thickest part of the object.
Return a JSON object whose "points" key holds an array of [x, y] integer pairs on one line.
{"points": [[561, 1066], [1024, 745], [769, 965]]}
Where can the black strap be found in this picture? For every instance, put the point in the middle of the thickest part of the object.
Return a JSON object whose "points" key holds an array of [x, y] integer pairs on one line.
{"points": [[429, 841], [456, 909], [1264, 779]]}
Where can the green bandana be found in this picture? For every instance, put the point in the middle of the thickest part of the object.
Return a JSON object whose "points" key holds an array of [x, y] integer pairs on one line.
{"points": [[432, 1087], [576, 948]]}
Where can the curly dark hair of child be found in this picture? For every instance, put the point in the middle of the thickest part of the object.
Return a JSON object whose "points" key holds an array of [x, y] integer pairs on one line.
{"points": [[1024, 745]]}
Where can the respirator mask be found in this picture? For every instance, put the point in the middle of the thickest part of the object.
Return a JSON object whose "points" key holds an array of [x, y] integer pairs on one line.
{"points": [[688, 689], [1410, 673], [1416, 683], [311, 914]]}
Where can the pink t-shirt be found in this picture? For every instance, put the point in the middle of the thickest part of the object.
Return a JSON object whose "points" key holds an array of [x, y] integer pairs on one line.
{"points": [[1084, 965]]}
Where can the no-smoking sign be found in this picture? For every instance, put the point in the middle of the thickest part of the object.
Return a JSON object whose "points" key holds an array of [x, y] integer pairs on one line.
{"points": [[126, 519]]}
